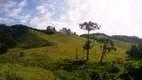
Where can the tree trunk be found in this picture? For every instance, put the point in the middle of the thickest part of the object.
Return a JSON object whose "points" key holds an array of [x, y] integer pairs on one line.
{"points": [[88, 47], [102, 57], [76, 55], [83, 55]]}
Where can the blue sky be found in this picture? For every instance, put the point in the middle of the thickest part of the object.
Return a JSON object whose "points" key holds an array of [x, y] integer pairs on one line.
{"points": [[23, 11], [122, 17]]}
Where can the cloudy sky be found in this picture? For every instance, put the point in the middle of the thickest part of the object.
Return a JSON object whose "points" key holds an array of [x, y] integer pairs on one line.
{"points": [[121, 17]]}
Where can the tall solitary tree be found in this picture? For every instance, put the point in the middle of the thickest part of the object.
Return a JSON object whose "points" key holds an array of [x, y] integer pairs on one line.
{"points": [[89, 26]]}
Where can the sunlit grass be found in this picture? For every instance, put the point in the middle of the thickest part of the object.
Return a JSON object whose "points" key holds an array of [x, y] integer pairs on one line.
{"points": [[31, 65], [25, 73]]}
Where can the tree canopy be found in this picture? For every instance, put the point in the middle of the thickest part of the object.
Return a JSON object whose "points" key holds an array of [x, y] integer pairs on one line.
{"points": [[135, 52]]}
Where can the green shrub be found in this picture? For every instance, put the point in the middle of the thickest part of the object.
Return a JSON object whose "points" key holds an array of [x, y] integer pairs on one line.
{"points": [[135, 52], [12, 76], [3, 48]]}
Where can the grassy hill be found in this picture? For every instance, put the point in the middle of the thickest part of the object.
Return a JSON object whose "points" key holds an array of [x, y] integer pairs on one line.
{"points": [[45, 62], [20, 36]]}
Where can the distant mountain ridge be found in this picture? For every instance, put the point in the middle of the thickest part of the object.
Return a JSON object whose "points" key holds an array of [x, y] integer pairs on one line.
{"points": [[131, 39]]}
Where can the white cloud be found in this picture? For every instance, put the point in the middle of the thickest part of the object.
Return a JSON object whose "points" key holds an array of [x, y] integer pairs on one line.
{"points": [[41, 9], [25, 19], [23, 3], [4, 8], [76, 13], [14, 9], [5, 20], [11, 9], [115, 16], [15, 12], [8, 4], [52, 6], [35, 21], [43, 21]]}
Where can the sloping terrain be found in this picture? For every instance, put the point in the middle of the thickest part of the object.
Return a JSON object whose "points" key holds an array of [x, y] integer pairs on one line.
{"points": [[20, 36], [37, 62]]}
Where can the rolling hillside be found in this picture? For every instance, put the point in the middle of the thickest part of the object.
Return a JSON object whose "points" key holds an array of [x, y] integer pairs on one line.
{"points": [[39, 59], [20, 36]]}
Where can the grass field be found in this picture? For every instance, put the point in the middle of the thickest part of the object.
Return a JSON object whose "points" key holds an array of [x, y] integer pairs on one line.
{"points": [[39, 63]]}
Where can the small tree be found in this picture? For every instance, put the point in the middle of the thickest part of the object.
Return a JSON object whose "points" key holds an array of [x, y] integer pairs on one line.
{"points": [[108, 46], [89, 26], [50, 30]]}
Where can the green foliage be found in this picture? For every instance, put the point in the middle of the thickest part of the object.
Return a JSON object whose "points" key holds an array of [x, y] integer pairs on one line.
{"points": [[95, 35], [3, 48], [12, 76], [32, 41], [89, 26], [20, 36], [69, 70], [135, 52], [66, 31], [11, 35], [133, 70], [85, 46], [20, 72], [107, 46], [58, 61], [19, 31], [132, 39], [6, 36], [49, 30]]}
